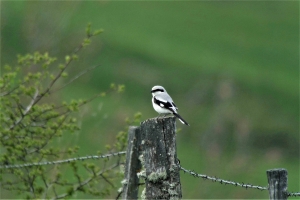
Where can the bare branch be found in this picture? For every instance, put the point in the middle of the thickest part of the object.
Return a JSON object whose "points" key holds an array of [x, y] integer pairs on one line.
{"points": [[62, 70], [50, 137], [86, 182], [110, 183], [28, 108], [9, 92], [76, 77]]}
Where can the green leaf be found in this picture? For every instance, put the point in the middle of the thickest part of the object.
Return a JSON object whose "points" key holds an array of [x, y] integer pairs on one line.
{"points": [[121, 88], [61, 66], [97, 32], [64, 74], [86, 42], [75, 57], [67, 59], [88, 29]]}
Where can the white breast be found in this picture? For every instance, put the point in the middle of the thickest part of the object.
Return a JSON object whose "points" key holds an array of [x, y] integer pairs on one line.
{"points": [[159, 109]]}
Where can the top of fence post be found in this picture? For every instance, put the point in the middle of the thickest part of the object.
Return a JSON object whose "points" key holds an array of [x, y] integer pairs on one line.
{"points": [[277, 179], [158, 141]]}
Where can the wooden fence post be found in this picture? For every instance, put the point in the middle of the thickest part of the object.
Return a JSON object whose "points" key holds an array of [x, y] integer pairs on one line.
{"points": [[277, 179], [133, 165], [158, 141]]}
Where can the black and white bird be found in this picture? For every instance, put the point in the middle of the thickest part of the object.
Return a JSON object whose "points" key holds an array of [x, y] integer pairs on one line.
{"points": [[163, 103]]}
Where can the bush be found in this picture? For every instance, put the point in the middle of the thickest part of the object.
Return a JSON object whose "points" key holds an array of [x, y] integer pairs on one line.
{"points": [[31, 123]]}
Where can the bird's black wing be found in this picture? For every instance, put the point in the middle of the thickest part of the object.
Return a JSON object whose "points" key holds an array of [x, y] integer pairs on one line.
{"points": [[170, 106], [164, 104]]}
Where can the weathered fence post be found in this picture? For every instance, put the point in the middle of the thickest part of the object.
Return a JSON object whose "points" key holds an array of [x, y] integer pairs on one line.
{"points": [[277, 179], [158, 141], [133, 164]]}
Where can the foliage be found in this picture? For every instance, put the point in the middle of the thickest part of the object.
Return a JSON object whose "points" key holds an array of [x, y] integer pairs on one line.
{"points": [[32, 123]]}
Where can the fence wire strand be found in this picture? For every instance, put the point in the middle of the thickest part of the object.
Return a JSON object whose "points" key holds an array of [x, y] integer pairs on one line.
{"points": [[191, 172], [62, 161], [222, 181], [293, 194], [225, 182]]}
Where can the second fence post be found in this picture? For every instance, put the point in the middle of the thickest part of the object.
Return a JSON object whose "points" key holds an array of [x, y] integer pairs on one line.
{"points": [[133, 165], [158, 142], [277, 179]]}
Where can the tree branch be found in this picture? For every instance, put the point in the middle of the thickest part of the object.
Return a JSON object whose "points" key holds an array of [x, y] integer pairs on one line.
{"points": [[28, 108], [86, 182], [76, 77]]}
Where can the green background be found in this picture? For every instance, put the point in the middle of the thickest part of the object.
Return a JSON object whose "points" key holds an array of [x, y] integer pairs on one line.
{"points": [[232, 68]]}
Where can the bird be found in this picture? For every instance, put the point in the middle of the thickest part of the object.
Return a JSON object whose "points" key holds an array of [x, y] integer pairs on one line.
{"points": [[163, 103]]}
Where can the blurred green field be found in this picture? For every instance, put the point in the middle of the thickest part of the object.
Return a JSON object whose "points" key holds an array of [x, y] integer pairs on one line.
{"points": [[231, 67]]}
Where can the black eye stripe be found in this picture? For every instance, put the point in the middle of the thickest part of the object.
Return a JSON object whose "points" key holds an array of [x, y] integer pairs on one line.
{"points": [[161, 90]]}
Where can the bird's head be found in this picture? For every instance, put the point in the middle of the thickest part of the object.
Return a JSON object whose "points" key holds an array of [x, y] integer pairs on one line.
{"points": [[157, 89]]}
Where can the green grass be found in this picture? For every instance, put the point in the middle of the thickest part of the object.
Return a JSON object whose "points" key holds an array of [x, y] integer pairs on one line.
{"points": [[247, 50]]}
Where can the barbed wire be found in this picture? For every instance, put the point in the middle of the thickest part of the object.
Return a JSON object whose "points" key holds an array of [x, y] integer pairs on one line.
{"points": [[191, 172], [222, 181], [62, 161], [225, 182], [293, 194]]}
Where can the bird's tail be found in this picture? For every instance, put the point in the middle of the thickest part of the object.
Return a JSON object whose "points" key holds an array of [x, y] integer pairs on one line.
{"points": [[181, 119]]}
